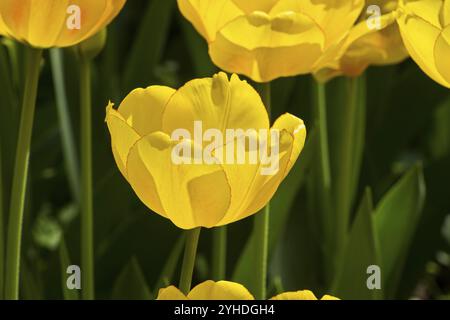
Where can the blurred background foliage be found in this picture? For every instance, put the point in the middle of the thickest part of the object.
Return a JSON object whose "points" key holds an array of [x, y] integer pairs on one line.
{"points": [[399, 199]]}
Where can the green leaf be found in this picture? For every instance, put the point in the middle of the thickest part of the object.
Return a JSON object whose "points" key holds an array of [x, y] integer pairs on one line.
{"points": [[131, 283], [396, 218], [149, 44], [360, 253], [168, 271], [30, 284], [64, 263]]}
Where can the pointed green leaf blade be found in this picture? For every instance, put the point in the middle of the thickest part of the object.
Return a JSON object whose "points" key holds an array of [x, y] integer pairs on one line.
{"points": [[396, 218], [131, 283]]}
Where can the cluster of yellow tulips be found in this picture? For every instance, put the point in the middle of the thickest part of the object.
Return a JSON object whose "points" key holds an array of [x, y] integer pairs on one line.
{"points": [[260, 39]]}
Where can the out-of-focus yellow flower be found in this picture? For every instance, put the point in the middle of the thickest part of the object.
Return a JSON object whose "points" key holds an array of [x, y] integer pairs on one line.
{"points": [[301, 295], [55, 23], [208, 290], [425, 29], [225, 290], [268, 39], [199, 194], [374, 40]]}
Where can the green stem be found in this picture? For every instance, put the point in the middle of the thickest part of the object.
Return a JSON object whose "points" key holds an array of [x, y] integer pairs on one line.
{"points": [[353, 132], [219, 253], [321, 116], [190, 252], [261, 224], [87, 224], [67, 139], [20, 176], [324, 177]]}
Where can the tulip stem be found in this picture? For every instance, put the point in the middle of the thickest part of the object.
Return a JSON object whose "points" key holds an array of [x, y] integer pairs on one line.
{"points": [[87, 237], [219, 253], [324, 173], [67, 139], [261, 223], [20, 175], [321, 116], [190, 252], [353, 128]]}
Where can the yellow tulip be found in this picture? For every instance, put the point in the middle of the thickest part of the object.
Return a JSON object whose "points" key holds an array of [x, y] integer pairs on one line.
{"points": [[55, 23], [225, 290], [198, 194], [366, 44], [425, 29], [268, 39]]}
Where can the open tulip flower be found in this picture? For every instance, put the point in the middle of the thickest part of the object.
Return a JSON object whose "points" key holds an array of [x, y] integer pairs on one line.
{"points": [[268, 39], [425, 28], [55, 23], [201, 192], [374, 40], [225, 290]]}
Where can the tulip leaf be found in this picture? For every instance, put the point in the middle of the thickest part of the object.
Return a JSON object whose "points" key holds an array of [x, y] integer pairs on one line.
{"points": [[427, 243], [30, 285], [168, 271], [396, 218], [360, 253], [149, 44], [69, 294], [131, 283], [280, 207]]}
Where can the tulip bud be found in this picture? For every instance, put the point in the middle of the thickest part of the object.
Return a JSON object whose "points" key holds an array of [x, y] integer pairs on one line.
{"points": [[91, 47]]}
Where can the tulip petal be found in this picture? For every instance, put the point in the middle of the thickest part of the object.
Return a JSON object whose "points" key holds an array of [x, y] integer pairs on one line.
{"points": [[296, 295], [328, 297], [143, 108], [95, 15], [442, 55], [171, 293], [221, 290], [191, 195], [208, 16], [218, 102], [3, 27], [264, 48], [420, 37], [446, 13], [28, 20], [264, 187], [428, 10], [253, 185], [297, 129], [248, 6], [123, 137], [335, 17]]}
